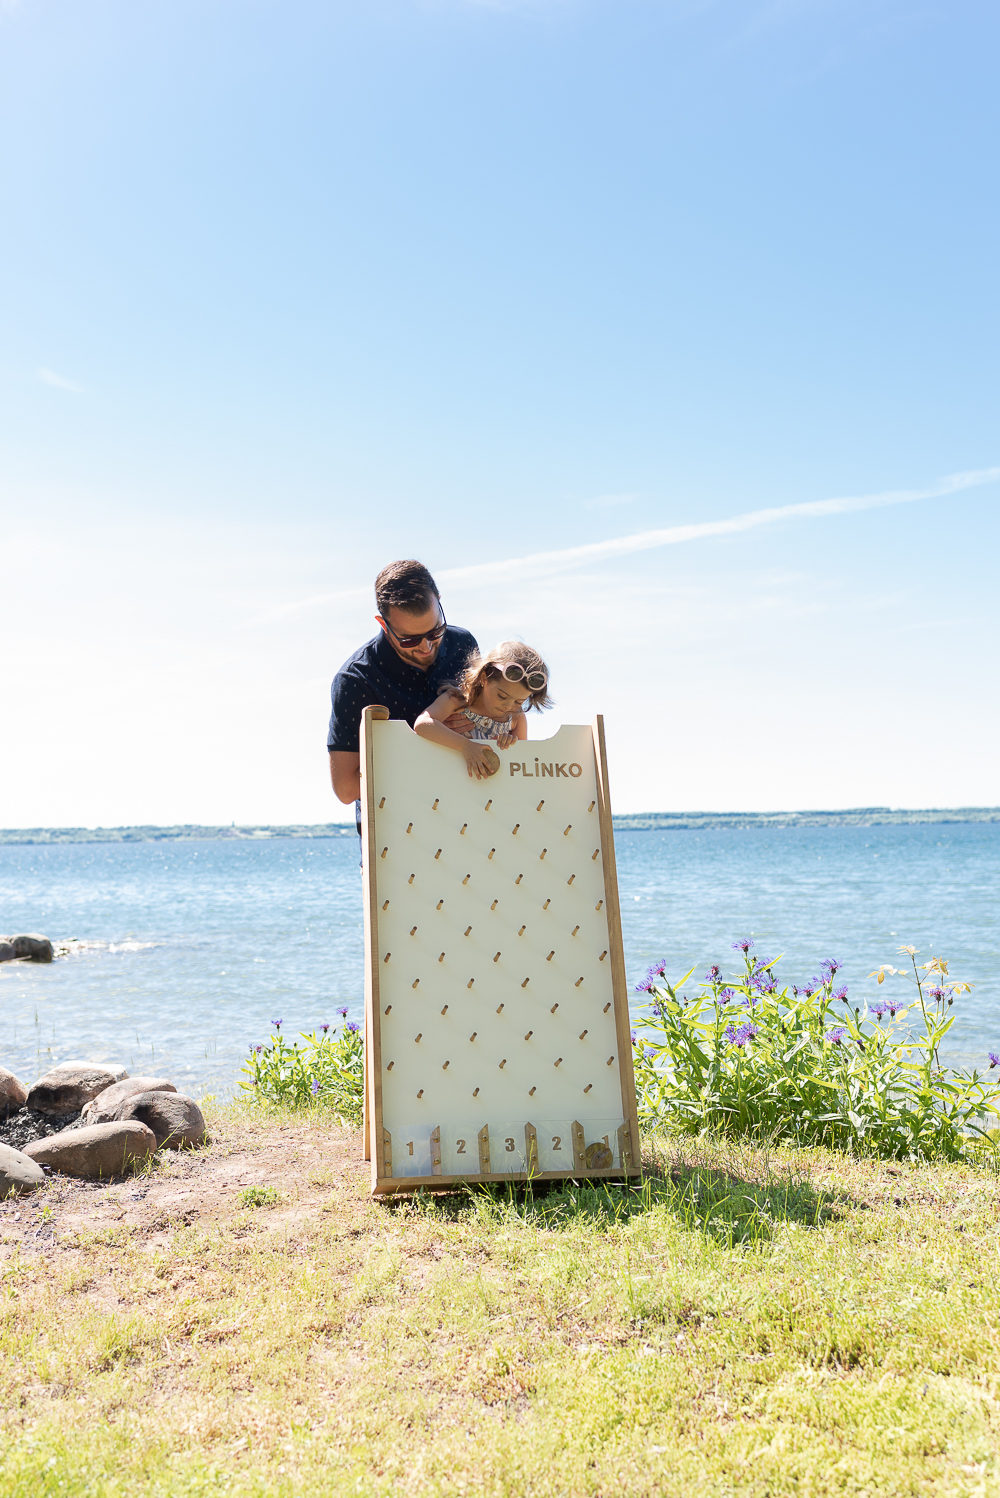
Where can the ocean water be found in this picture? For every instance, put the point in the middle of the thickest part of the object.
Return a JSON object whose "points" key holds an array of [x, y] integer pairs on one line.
{"points": [[190, 949]]}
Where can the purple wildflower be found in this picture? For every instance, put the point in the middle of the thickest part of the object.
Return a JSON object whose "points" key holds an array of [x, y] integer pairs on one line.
{"points": [[879, 1008], [257, 1048], [342, 1011], [644, 985], [276, 1023], [831, 966], [315, 1086], [836, 1036], [744, 945], [649, 1053], [841, 993], [352, 1027], [633, 1037], [739, 1036], [727, 995], [994, 1060], [750, 1001], [714, 973], [325, 1026]]}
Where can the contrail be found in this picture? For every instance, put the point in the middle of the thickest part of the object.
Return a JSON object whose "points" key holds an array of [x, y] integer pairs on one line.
{"points": [[538, 563]]}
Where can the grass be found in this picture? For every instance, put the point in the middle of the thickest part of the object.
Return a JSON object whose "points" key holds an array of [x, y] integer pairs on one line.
{"points": [[744, 1320]]}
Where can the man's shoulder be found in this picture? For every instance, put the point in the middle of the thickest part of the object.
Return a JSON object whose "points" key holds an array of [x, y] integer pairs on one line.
{"points": [[460, 642], [362, 661]]}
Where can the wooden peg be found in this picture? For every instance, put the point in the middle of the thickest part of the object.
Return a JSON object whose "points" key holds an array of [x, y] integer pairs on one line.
{"points": [[415, 983], [470, 982], [494, 904], [499, 1009], [390, 1066], [559, 1061], [445, 1009], [438, 853], [381, 803], [596, 854], [583, 1034], [420, 1093], [436, 801], [386, 957], [496, 957], [607, 1007], [467, 878], [385, 904], [445, 1065], [387, 1009], [441, 957], [475, 1092], [555, 1006], [588, 1086], [409, 828], [491, 853], [570, 879], [502, 1064], [540, 804], [413, 930], [543, 853], [609, 1061], [599, 904], [383, 852], [467, 930], [551, 955], [526, 982], [574, 930], [439, 904], [577, 983], [532, 1091], [546, 904], [488, 804], [522, 930], [515, 829], [418, 1037], [592, 805], [603, 955], [462, 829], [519, 878], [474, 1034], [529, 1034], [411, 878], [567, 829]]}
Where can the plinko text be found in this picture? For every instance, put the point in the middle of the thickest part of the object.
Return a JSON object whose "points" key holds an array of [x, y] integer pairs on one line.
{"points": [[523, 767]]}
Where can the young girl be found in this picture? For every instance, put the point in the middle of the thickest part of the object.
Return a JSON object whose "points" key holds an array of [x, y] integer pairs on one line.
{"points": [[491, 695]]}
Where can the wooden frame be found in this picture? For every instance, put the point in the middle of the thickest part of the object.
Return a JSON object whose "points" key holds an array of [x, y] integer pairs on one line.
{"points": [[497, 1035]]}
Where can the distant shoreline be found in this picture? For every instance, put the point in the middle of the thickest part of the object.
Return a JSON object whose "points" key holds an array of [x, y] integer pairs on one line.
{"points": [[654, 821]]}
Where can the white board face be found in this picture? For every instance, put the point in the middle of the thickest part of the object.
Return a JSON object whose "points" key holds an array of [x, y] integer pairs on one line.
{"points": [[494, 1027]]}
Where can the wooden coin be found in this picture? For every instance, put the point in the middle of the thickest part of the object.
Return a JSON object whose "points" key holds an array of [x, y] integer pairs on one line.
{"points": [[492, 760], [598, 1157]]}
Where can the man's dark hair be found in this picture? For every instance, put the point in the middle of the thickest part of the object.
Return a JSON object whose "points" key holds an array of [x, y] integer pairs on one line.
{"points": [[405, 585]]}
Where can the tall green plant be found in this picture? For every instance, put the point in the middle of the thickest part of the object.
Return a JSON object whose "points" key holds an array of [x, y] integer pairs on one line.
{"points": [[745, 1057], [324, 1071]]}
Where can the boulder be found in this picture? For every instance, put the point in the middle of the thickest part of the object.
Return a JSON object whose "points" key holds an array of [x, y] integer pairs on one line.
{"points": [[97, 1152], [176, 1120], [7, 953], [35, 948], [12, 1093], [71, 1086], [103, 1108], [19, 1174]]}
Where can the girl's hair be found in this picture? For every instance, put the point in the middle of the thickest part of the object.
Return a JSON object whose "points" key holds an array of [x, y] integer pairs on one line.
{"points": [[512, 652]]}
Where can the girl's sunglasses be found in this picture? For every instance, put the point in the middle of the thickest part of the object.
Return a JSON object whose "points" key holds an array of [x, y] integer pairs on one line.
{"points": [[535, 681]]}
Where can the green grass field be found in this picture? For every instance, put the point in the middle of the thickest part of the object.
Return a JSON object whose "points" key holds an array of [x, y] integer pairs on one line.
{"points": [[246, 1320]]}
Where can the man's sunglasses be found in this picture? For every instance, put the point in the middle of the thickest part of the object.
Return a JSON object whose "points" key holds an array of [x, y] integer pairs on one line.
{"points": [[410, 642], [535, 681]]}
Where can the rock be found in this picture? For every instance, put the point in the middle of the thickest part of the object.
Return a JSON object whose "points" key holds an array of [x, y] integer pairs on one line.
{"points": [[35, 948], [7, 953], [12, 1093], [95, 1153], [103, 1108], [176, 1120], [71, 1086], [19, 1174], [24, 1127]]}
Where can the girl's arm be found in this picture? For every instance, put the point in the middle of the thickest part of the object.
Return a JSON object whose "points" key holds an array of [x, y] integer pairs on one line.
{"points": [[431, 725]]}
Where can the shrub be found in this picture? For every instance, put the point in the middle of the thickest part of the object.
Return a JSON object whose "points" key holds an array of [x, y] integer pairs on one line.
{"points": [[745, 1057], [324, 1071]]}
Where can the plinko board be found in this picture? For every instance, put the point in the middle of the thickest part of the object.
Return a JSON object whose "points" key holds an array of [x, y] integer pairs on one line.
{"points": [[497, 1036]]}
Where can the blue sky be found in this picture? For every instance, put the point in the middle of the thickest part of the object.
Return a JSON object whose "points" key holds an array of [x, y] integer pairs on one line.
{"points": [[292, 289]]}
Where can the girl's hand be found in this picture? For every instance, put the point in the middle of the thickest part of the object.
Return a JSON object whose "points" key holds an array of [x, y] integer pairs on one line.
{"points": [[481, 761], [506, 740]]}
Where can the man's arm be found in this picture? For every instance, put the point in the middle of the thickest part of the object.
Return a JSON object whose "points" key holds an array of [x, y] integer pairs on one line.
{"points": [[345, 774]]}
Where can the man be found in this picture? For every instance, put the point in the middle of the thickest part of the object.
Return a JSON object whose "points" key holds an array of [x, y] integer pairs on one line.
{"points": [[402, 668]]}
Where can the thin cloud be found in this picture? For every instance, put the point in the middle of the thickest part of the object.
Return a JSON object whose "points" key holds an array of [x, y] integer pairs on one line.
{"points": [[58, 381], [608, 501], [543, 563]]}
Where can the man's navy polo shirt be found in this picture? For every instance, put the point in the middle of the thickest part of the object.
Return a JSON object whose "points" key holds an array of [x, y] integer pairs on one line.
{"points": [[375, 673]]}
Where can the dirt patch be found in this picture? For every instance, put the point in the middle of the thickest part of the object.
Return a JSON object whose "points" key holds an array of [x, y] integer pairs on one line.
{"points": [[302, 1162]]}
